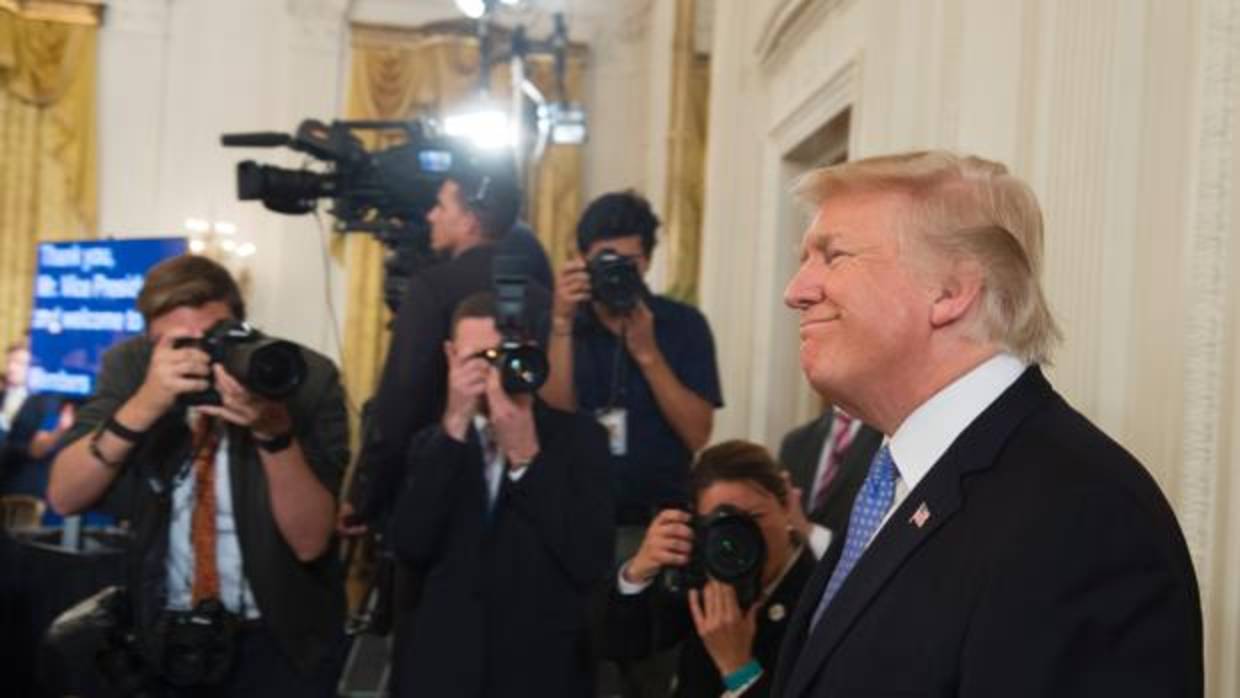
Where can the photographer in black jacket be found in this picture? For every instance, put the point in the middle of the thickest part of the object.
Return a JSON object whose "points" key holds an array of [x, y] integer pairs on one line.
{"points": [[234, 588], [507, 512]]}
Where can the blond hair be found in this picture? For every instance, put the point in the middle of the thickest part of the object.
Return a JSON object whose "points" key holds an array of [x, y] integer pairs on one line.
{"points": [[957, 207]]}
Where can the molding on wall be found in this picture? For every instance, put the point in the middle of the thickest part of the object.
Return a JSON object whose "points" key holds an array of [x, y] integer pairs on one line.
{"points": [[824, 103], [1209, 276], [786, 24]]}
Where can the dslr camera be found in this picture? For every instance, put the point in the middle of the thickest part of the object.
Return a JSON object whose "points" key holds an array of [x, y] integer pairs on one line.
{"points": [[615, 281], [727, 546], [522, 363], [273, 368]]}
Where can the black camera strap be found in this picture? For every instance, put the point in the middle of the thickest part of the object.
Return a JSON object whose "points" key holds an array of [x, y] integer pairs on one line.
{"points": [[619, 368]]}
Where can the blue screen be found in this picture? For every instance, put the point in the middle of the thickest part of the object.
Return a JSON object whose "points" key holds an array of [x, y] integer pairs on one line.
{"points": [[84, 294]]}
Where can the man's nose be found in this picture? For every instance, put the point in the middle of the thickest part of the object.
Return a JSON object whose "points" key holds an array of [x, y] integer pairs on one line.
{"points": [[800, 294]]}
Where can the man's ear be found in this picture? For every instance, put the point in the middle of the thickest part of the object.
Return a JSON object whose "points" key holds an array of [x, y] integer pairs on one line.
{"points": [[449, 350], [958, 292]]}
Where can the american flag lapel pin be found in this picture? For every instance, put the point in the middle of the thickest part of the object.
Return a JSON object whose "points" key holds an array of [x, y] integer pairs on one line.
{"points": [[921, 516]]}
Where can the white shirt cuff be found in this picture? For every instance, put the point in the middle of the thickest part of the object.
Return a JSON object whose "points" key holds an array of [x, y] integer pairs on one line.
{"points": [[628, 588], [516, 475], [819, 540]]}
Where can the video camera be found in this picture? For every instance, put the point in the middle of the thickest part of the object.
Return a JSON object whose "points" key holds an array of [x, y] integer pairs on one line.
{"points": [[386, 193], [273, 368], [727, 546]]}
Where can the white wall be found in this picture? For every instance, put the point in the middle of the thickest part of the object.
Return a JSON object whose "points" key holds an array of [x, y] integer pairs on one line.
{"points": [[1124, 118], [173, 76]]}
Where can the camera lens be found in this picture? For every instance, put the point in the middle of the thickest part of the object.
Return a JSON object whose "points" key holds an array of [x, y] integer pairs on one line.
{"points": [[523, 369], [733, 548], [274, 369]]}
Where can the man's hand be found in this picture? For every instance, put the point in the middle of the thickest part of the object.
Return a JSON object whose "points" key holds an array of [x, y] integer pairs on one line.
{"points": [[170, 373], [512, 417], [266, 419], [726, 632], [668, 542], [639, 335], [467, 381], [572, 287], [796, 512]]}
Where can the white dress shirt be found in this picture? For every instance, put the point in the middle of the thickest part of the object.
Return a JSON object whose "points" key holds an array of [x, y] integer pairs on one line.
{"points": [[235, 592], [493, 459], [927, 433]]}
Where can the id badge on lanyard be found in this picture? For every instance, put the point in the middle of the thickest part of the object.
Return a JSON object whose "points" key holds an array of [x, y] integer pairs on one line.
{"points": [[615, 421]]}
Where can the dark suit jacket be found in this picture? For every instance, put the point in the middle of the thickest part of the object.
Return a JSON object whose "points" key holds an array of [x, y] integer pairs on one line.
{"points": [[800, 453], [640, 625], [503, 604], [410, 394], [1050, 565]]}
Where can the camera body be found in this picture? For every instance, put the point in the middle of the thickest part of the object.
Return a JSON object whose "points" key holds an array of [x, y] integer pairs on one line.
{"points": [[727, 546], [196, 647], [273, 368], [616, 282], [522, 363]]}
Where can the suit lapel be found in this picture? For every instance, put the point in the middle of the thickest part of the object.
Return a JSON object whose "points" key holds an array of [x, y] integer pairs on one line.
{"points": [[941, 496]]}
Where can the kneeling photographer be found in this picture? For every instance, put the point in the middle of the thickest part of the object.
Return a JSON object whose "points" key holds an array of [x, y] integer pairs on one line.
{"points": [[723, 581], [225, 450]]}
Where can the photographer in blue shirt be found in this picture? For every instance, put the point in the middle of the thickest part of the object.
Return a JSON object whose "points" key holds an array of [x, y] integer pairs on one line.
{"points": [[643, 365]]}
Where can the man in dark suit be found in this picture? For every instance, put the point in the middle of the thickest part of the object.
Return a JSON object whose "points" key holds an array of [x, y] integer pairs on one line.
{"points": [[509, 515], [827, 458], [1001, 545]]}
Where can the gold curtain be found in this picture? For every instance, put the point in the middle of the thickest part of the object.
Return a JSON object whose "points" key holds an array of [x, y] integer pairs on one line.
{"points": [[47, 142], [686, 160], [403, 73]]}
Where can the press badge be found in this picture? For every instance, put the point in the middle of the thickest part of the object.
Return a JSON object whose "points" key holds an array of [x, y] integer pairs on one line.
{"points": [[615, 421]]}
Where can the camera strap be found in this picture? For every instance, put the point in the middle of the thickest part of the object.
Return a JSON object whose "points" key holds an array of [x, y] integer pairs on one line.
{"points": [[618, 390]]}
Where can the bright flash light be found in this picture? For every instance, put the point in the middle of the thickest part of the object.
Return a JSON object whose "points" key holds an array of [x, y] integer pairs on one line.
{"points": [[488, 129], [225, 228], [228, 245], [197, 225], [472, 9], [246, 249], [197, 246]]}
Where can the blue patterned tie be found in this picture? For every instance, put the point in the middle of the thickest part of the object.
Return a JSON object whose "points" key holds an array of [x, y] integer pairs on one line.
{"points": [[871, 505]]}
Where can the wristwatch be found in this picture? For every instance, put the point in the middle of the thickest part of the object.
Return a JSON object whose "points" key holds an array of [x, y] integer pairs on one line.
{"points": [[276, 443]]}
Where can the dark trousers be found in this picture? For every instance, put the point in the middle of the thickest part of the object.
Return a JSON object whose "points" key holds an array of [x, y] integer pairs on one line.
{"points": [[261, 669]]}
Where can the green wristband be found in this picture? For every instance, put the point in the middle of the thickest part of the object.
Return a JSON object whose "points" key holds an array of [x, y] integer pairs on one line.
{"points": [[747, 672]]}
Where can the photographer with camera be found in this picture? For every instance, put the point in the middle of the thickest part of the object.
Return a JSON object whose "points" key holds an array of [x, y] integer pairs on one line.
{"points": [[476, 208], [225, 450], [643, 365], [471, 225], [509, 515], [731, 576]]}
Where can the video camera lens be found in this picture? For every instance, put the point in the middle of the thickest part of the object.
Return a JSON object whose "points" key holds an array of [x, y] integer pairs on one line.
{"points": [[615, 281]]}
